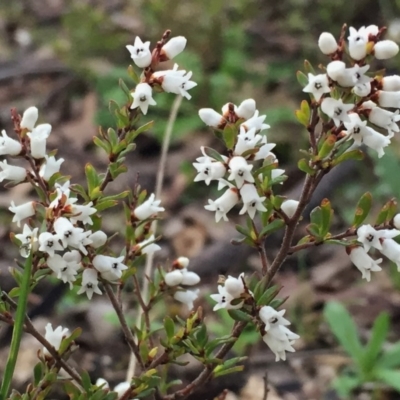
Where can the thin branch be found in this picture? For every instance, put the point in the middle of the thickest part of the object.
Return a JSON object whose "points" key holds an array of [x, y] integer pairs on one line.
{"points": [[266, 389]]}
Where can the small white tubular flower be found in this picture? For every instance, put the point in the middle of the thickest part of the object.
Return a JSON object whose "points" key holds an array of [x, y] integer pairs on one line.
{"points": [[211, 118], [50, 167], [147, 247], [384, 119], [189, 278], [110, 268], [68, 233], [385, 49], [55, 337], [246, 109], [277, 337], [396, 221], [388, 99], [224, 300], [369, 237], [327, 43], [362, 89], [289, 207], [317, 85], [265, 150], [28, 238], [391, 250], [38, 138], [391, 83], [256, 122], [223, 204], [376, 141], [251, 200], [174, 46], [364, 262], [98, 239], [143, 97], [22, 211], [90, 283], [29, 118], [336, 109], [49, 243], [64, 270], [354, 76], [9, 146], [240, 171], [140, 53], [148, 208], [234, 286], [208, 170], [82, 212], [246, 140], [358, 43], [187, 297], [335, 69], [11, 172], [174, 81], [173, 278]]}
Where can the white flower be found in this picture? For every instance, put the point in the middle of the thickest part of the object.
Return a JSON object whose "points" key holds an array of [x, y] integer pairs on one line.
{"points": [[38, 138], [362, 89], [265, 150], [98, 239], [327, 43], [385, 49], [391, 83], [121, 388], [174, 81], [223, 204], [391, 250], [396, 221], [49, 243], [335, 69], [354, 76], [27, 238], [208, 170], [110, 268], [82, 213], [389, 99], [9, 146], [142, 97], [29, 118], [246, 109], [187, 297], [240, 171], [173, 278], [140, 53], [256, 122], [234, 286], [384, 119], [55, 337], [90, 283], [147, 247], [148, 208], [211, 118], [369, 237], [364, 262], [358, 43], [251, 200], [246, 140], [50, 167], [277, 336], [71, 235], [64, 268], [11, 172], [182, 262], [224, 300], [317, 85], [289, 207], [103, 383], [22, 211], [174, 47], [336, 109], [181, 277]]}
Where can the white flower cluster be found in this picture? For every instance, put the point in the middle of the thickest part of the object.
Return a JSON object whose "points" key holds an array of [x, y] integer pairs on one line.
{"points": [[232, 295], [372, 94], [120, 389], [381, 240], [171, 81], [250, 146], [180, 276]]}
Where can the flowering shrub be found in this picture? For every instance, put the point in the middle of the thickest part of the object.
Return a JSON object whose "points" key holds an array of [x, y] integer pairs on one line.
{"points": [[62, 232]]}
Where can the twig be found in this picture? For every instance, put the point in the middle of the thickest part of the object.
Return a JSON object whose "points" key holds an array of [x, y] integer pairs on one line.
{"points": [[159, 183], [266, 390]]}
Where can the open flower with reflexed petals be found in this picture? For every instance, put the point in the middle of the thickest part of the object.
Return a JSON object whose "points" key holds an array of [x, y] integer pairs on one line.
{"points": [[317, 85], [90, 283], [223, 204], [363, 261], [55, 337], [336, 109], [148, 208], [140, 53], [143, 97]]}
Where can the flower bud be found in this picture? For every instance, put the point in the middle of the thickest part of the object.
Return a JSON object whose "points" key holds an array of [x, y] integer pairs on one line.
{"points": [[391, 83], [98, 238], [289, 207], [29, 118], [189, 278], [22, 211], [385, 49], [55, 337], [335, 69], [9, 146], [210, 117], [38, 138], [173, 278], [181, 262], [327, 43], [389, 99], [234, 286], [174, 46], [246, 109], [11, 172], [396, 221]]}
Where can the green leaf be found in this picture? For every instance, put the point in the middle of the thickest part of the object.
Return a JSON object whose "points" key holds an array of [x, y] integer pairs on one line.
{"points": [[239, 315], [272, 227], [326, 214], [390, 377], [344, 328], [169, 327], [135, 133], [391, 357], [304, 166], [133, 75], [103, 204], [37, 373], [227, 371], [125, 89], [362, 209], [345, 384], [317, 218], [302, 118], [229, 135], [350, 155], [387, 212], [86, 383], [302, 78], [266, 298], [102, 144], [327, 147], [374, 346], [92, 178], [213, 154], [308, 67]]}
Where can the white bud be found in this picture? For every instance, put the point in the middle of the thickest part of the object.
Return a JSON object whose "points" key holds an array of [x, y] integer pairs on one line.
{"points": [[9, 146], [385, 49], [391, 83], [11, 172], [189, 278], [98, 238], [234, 286], [362, 89], [327, 43], [289, 207], [389, 99], [396, 221], [210, 117], [182, 262], [55, 337], [173, 278], [174, 46], [246, 109], [38, 138], [336, 69], [29, 118]]}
